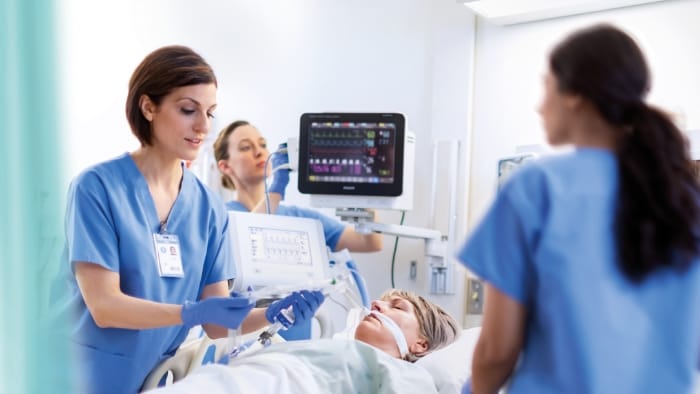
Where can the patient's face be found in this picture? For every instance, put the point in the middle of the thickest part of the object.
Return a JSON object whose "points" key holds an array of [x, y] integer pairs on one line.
{"points": [[401, 311]]}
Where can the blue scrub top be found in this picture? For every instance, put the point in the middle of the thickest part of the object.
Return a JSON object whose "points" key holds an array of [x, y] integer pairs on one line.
{"points": [[110, 221], [332, 229], [548, 243]]}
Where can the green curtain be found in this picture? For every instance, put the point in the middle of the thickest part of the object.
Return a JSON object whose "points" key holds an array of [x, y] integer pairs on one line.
{"points": [[32, 360]]}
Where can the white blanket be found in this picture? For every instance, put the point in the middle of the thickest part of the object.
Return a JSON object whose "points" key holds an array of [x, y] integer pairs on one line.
{"points": [[316, 366]]}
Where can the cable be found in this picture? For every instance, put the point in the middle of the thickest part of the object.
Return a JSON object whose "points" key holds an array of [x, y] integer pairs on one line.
{"points": [[393, 256], [359, 282], [340, 304], [267, 193]]}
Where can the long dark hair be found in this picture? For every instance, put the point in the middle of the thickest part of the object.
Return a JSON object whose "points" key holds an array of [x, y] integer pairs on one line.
{"points": [[657, 216]]}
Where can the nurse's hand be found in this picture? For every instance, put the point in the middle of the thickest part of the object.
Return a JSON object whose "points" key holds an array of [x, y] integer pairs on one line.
{"points": [[467, 388], [304, 305], [280, 177], [227, 312]]}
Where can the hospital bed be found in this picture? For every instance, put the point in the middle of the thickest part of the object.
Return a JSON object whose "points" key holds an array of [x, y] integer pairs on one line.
{"points": [[314, 366], [274, 252]]}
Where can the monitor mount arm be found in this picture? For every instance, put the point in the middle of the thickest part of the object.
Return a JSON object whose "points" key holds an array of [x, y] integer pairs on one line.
{"points": [[436, 244]]}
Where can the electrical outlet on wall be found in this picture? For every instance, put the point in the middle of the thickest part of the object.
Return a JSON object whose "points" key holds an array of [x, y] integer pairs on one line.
{"points": [[475, 296]]}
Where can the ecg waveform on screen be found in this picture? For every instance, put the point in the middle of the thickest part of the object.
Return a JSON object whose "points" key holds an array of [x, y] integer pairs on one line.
{"points": [[338, 151], [351, 152]]}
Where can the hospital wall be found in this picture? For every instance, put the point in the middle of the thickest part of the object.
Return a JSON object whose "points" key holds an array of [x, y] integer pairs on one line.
{"points": [[274, 61], [453, 77], [511, 60]]}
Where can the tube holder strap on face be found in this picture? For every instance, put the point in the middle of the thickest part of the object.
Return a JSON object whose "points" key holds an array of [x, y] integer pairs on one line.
{"points": [[395, 331]]}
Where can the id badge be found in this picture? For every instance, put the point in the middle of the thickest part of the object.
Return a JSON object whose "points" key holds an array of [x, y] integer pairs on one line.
{"points": [[168, 255]]}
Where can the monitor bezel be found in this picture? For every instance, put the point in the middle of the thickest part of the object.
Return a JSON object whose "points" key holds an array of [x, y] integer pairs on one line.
{"points": [[351, 188]]}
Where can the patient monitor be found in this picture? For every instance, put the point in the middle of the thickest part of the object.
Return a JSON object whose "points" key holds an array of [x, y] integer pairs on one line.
{"points": [[273, 250], [357, 160]]}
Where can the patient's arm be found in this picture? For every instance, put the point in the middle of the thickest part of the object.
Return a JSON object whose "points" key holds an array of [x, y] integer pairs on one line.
{"points": [[500, 341]]}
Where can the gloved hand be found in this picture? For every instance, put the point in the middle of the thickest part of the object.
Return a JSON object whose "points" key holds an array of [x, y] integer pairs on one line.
{"points": [[228, 312], [280, 178], [467, 388], [304, 305]]}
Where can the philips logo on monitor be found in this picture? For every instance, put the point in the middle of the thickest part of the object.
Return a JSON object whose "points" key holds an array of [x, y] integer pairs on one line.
{"points": [[348, 187]]}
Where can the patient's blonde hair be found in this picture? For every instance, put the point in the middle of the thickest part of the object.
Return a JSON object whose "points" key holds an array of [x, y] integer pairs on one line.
{"points": [[436, 326]]}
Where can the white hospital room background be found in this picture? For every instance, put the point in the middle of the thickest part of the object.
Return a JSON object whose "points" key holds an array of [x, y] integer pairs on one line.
{"points": [[456, 77]]}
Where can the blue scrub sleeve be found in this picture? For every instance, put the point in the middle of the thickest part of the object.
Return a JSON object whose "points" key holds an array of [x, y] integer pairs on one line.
{"points": [[501, 248], [90, 232], [222, 266], [332, 229]]}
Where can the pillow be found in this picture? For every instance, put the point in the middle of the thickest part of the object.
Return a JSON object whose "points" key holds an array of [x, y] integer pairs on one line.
{"points": [[451, 366]]}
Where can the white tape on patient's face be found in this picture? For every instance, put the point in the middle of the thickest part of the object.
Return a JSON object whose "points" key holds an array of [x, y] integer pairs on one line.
{"points": [[395, 331]]}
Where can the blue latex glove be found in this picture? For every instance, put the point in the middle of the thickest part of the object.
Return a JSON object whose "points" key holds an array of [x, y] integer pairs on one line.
{"points": [[467, 388], [304, 305], [280, 178], [227, 312]]}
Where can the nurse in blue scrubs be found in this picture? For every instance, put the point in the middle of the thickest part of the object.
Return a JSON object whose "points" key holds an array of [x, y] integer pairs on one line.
{"points": [[241, 153], [590, 258], [147, 255]]}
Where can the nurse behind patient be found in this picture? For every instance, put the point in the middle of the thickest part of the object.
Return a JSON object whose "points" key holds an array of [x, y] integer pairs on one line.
{"points": [[241, 153], [147, 255], [590, 258]]}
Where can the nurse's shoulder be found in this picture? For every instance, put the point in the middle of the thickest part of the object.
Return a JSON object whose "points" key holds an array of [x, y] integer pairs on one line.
{"points": [[208, 196], [107, 174], [583, 171]]}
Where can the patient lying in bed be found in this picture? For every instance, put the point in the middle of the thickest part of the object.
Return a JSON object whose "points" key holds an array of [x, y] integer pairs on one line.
{"points": [[400, 325]]}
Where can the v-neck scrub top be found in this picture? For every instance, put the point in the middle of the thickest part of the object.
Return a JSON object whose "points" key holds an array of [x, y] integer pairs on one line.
{"points": [[110, 221]]}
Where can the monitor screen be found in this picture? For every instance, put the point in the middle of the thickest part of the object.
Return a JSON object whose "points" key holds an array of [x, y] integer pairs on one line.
{"points": [[351, 153]]}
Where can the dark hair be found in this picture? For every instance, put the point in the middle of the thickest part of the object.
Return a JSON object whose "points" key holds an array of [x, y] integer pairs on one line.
{"points": [[657, 212], [159, 73], [221, 148]]}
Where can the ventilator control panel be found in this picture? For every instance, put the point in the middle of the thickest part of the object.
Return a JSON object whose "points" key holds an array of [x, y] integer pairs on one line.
{"points": [[272, 250], [279, 246]]}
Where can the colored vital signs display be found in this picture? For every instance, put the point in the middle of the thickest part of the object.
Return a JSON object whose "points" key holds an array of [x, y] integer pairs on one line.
{"points": [[351, 154]]}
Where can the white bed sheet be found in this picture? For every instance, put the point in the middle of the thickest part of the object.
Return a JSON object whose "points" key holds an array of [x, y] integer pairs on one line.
{"points": [[316, 366]]}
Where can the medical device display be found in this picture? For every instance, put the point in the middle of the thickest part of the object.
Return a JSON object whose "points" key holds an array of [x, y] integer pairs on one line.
{"points": [[351, 154], [272, 250]]}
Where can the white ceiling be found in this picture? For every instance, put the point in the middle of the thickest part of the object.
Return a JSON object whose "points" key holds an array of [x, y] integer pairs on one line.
{"points": [[509, 12]]}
